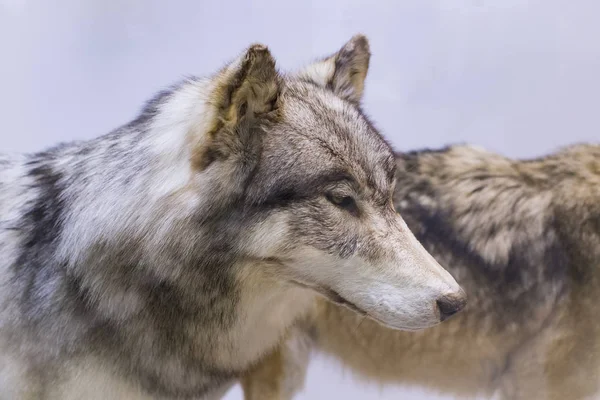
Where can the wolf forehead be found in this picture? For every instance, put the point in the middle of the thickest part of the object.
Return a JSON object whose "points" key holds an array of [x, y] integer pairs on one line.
{"points": [[319, 131]]}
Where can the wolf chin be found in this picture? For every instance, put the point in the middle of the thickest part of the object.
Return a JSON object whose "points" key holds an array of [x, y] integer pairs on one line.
{"points": [[166, 258]]}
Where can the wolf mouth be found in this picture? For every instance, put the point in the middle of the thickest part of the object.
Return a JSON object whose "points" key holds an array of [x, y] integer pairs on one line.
{"points": [[338, 299], [334, 297]]}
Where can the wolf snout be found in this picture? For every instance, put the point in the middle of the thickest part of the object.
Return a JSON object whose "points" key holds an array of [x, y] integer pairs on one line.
{"points": [[450, 304]]}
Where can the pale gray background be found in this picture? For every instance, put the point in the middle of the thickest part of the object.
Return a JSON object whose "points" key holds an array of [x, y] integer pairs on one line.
{"points": [[516, 76]]}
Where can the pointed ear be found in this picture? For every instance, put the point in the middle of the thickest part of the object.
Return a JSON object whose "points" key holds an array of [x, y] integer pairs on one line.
{"points": [[344, 72], [245, 92], [248, 87]]}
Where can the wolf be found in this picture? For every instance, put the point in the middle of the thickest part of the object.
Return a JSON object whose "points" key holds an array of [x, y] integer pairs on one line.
{"points": [[165, 258], [522, 237]]}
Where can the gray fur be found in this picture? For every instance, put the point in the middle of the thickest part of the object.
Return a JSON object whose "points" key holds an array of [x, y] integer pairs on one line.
{"points": [[164, 259]]}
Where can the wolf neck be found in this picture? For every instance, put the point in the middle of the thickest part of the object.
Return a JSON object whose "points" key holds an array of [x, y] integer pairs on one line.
{"points": [[132, 185]]}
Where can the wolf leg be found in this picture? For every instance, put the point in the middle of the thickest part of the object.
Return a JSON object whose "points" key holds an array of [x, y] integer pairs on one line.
{"points": [[280, 375]]}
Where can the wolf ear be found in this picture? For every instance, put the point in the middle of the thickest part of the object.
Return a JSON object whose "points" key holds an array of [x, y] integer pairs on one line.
{"points": [[249, 86], [345, 71], [245, 92]]}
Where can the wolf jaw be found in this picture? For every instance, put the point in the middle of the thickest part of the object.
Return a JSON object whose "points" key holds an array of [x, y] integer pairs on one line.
{"points": [[164, 253]]}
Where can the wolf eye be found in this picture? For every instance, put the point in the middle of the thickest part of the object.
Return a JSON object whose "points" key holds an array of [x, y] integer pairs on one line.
{"points": [[345, 202]]}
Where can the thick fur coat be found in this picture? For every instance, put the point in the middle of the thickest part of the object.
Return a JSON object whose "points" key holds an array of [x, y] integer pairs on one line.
{"points": [[164, 259]]}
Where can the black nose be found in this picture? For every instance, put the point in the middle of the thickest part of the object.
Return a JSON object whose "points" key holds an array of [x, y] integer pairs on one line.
{"points": [[451, 304]]}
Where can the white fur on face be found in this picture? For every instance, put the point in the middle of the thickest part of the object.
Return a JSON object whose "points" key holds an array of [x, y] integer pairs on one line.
{"points": [[266, 239], [400, 291]]}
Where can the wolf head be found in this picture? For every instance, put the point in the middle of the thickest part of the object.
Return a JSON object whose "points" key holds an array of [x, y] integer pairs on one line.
{"points": [[250, 179], [315, 180]]}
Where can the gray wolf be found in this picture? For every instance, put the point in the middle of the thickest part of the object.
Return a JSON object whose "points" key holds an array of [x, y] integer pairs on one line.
{"points": [[522, 237], [164, 259]]}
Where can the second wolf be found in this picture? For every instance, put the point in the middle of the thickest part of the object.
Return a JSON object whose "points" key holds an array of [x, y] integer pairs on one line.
{"points": [[523, 239]]}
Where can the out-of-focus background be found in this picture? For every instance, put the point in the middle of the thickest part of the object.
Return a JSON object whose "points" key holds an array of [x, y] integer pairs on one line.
{"points": [[520, 77]]}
